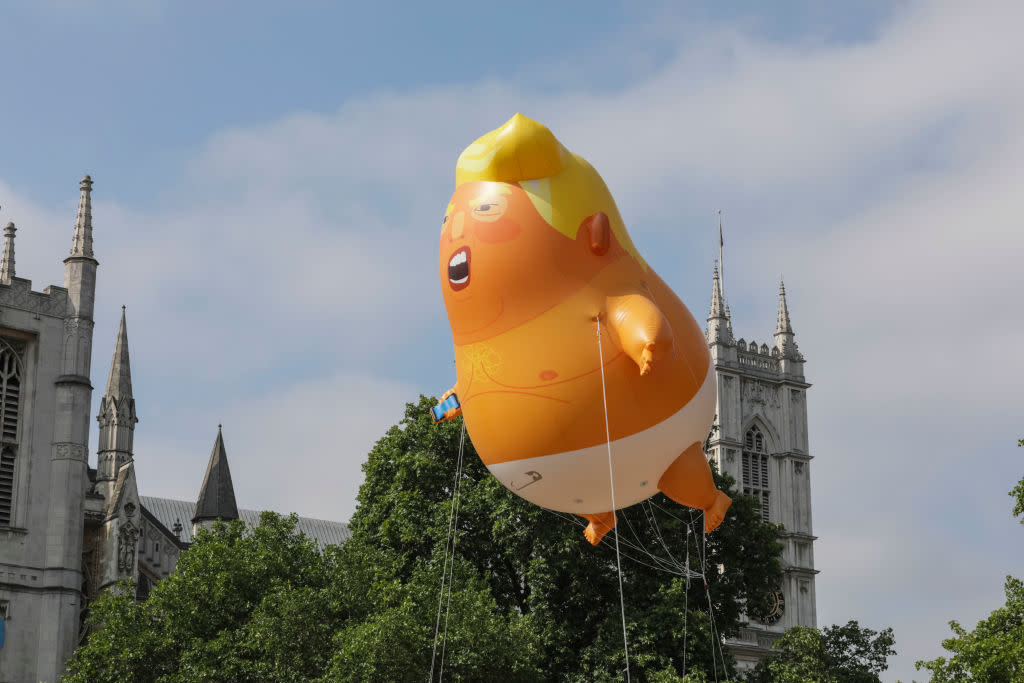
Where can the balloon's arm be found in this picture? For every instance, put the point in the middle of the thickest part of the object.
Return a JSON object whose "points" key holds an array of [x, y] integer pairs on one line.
{"points": [[642, 329], [453, 408]]}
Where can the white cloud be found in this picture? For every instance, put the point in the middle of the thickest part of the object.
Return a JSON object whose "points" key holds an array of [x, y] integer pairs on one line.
{"points": [[317, 434]]}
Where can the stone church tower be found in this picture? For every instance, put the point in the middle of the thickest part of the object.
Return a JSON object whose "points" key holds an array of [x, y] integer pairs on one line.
{"points": [[762, 443], [45, 394]]}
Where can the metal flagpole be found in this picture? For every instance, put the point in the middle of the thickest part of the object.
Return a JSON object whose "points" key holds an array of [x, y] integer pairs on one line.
{"points": [[721, 260]]}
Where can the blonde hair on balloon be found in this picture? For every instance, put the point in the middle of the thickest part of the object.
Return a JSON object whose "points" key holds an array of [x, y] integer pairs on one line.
{"points": [[563, 187]]}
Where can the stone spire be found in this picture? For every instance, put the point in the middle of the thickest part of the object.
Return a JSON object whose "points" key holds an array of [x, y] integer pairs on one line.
{"points": [[7, 264], [81, 244], [217, 497], [718, 331], [783, 329], [119, 383], [117, 416]]}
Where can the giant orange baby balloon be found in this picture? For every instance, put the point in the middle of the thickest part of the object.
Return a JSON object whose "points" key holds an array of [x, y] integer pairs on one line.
{"points": [[534, 256]]}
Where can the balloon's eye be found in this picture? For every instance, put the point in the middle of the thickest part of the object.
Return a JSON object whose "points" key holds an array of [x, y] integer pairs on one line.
{"points": [[490, 209]]}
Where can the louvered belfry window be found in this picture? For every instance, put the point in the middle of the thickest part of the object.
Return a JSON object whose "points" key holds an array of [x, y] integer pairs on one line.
{"points": [[755, 468], [10, 401]]}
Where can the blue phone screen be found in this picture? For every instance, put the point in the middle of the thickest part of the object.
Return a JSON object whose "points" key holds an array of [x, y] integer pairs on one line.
{"points": [[440, 409]]}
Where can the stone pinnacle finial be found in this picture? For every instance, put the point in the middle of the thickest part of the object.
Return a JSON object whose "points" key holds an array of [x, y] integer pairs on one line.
{"points": [[783, 329], [7, 263], [119, 383], [717, 304], [783, 326], [81, 244], [719, 331]]}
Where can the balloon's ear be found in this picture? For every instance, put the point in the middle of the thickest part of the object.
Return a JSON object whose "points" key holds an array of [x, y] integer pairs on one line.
{"points": [[599, 232]]}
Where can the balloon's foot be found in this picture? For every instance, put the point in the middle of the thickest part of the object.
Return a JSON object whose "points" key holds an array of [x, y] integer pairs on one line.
{"points": [[714, 515], [600, 524]]}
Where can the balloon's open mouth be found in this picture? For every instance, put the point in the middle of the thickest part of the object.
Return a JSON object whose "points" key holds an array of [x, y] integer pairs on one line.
{"points": [[458, 269]]}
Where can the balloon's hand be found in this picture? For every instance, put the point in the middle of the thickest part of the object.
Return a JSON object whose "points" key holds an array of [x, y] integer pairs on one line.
{"points": [[641, 329], [451, 413]]}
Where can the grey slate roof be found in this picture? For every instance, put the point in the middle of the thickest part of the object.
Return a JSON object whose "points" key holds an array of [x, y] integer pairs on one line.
{"points": [[167, 510], [217, 496]]}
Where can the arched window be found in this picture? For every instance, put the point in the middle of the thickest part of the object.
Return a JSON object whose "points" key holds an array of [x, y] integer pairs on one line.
{"points": [[10, 398], [755, 468], [143, 587]]}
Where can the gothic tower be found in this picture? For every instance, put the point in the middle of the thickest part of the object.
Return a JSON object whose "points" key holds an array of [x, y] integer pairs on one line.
{"points": [[116, 416], [117, 539], [70, 449], [762, 443], [45, 350]]}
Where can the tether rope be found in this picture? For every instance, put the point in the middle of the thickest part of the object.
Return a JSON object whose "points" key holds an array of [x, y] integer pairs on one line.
{"points": [[611, 480], [707, 592], [686, 595], [453, 519]]}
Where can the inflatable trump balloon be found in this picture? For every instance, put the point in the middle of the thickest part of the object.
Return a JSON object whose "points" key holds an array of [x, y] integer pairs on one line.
{"points": [[555, 315]]}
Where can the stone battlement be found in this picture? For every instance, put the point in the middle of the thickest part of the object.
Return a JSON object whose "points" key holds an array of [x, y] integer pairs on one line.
{"points": [[52, 301]]}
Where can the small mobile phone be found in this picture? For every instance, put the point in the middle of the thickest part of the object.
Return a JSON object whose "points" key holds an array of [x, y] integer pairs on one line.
{"points": [[444, 406]]}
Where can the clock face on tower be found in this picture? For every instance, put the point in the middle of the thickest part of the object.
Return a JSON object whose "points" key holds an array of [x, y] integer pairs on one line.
{"points": [[776, 609]]}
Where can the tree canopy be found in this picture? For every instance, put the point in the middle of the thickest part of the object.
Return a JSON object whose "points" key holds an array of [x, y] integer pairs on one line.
{"points": [[538, 564], [531, 599], [836, 654], [992, 652], [262, 604]]}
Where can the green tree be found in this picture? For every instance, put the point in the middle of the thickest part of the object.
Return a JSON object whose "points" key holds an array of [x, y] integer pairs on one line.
{"points": [[992, 652], [263, 604], [242, 605], [538, 564], [396, 642], [835, 654]]}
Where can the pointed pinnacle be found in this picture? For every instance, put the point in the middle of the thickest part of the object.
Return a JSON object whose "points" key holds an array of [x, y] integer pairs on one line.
{"points": [[717, 306], [7, 263], [81, 243], [783, 325], [119, 383], [217, 496]]}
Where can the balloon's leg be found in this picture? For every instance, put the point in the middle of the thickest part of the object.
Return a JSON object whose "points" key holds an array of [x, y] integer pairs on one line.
{"points": [[688, 481], [600, 524]]}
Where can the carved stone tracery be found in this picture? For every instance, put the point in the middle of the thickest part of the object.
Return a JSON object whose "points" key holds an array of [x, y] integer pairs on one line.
{"points": [[761, 393]]}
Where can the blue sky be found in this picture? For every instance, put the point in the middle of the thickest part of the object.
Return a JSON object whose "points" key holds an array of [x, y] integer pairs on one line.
{"points": [[269, 180]]}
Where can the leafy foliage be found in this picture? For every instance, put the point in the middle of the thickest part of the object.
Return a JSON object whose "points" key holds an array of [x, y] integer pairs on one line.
{"points": [[993, 651], [530, 599], [537, 562], [264, 605], [836, 654]]}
